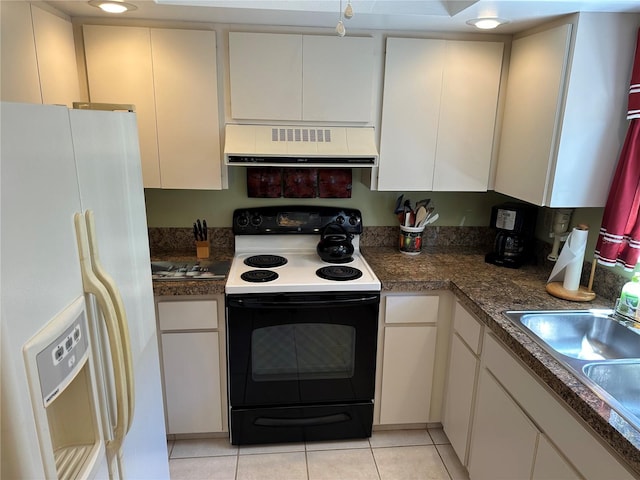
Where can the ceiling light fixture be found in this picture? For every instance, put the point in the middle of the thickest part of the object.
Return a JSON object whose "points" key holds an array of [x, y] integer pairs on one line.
{"points": [[348, 11], [340, 30], [112, 6], [347, 14], [487, 23]]}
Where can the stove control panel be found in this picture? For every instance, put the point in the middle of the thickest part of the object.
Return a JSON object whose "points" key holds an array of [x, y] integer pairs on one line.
{"points": [[294, 219]]}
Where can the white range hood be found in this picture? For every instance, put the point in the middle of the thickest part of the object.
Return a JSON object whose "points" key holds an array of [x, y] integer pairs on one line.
{"points": [[300, 146]]}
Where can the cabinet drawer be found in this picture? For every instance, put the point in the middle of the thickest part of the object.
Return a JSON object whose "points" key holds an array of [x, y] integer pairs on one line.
{"points": [[190, 315], [411, 309], [469, 329]]}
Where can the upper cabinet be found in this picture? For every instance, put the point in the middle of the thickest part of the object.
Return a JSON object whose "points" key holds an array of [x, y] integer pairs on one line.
{"points": [[438, 114], [565, 111], [301, 77], [170, 75], [38, 56]]}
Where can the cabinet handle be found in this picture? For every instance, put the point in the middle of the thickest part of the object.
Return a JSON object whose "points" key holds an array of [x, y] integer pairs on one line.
{"points": [[301, 422]]}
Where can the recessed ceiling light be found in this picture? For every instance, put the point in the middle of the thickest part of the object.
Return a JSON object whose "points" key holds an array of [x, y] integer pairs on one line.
{"points": [[487, 23], [113, 6]]}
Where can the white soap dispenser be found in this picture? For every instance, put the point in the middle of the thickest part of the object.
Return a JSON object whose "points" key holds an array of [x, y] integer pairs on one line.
{"points": [[627, 304]]}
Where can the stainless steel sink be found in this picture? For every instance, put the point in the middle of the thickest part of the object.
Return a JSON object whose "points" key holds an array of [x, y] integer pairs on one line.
{"points": [[603, 352], [621, 380], [585, 335]]}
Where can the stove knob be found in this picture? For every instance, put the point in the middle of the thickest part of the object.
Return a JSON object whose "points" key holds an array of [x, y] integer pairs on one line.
{"points": [[340, 220], [243, 220], [353, 220], [256, 220]]}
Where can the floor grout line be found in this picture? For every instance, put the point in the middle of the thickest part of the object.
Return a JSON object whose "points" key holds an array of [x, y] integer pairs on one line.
{"points": [[237, 454]]}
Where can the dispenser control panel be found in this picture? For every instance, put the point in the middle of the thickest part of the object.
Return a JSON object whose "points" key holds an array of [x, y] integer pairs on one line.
{"points": [[59, 361]]}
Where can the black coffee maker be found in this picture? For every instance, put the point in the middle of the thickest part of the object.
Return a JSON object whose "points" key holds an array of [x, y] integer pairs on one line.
{"points": [[514, 243]]}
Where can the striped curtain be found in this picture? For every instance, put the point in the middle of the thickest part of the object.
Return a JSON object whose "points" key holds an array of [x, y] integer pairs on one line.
{"points": [[619, 239]]}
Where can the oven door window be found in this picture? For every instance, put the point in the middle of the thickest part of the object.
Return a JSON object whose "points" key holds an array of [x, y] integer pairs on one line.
{"points": [[308, 351]]}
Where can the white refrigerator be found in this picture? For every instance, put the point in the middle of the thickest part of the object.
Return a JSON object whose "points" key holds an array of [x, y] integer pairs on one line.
{"points": [[76, 403]]}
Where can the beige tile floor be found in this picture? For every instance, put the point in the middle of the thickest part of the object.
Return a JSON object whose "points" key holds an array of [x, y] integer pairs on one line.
{"points": [[387, 455]]}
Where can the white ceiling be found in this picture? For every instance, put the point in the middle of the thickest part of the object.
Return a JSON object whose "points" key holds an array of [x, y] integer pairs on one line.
{"points": [[429, 15]]}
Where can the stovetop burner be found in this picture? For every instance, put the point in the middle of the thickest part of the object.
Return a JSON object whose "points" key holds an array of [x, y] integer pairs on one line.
{"points": [[265, 261], [284, 240], [259, 276], [339, 273]]}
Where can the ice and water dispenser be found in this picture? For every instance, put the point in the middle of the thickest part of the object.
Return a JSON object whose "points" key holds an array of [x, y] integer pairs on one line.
{"points": [[63, 395]]}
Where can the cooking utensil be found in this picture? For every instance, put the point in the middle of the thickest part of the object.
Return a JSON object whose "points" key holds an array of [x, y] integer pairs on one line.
{"points": [[204, 229], [432, 219], [399, 208], [423, 203], [429, 212], [421, 216]]}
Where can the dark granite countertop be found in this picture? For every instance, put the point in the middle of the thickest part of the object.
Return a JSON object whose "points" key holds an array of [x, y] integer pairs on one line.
{"points": [[486, 290], [191, 287]]}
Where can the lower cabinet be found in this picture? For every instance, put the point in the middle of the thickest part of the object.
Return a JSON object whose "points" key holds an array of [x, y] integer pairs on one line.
{"points": [[410, 382], [462, 375], [521, 431], [193, 359], [501, 426], [503, 423]]}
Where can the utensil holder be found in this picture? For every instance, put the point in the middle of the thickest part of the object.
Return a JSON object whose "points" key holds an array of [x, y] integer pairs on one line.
{"points": [[410, 240], [202, 248]]}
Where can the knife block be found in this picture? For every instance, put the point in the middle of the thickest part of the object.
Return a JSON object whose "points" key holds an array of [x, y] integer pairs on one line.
{"points": [[202, 249]]}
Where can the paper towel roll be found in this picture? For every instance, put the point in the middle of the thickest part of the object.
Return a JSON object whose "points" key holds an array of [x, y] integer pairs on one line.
{"points": [[568, 268]]}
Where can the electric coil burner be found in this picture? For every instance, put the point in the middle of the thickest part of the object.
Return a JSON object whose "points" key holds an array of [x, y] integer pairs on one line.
{"points": [[265, 261], [301, 332], [257, 276], [339, 273]]}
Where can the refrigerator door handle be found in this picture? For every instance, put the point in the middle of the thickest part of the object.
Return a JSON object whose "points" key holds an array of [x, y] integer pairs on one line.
{"points": [[121, 314], [91, 284]]}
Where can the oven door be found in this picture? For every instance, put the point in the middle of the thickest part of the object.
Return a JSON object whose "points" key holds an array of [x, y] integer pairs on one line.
{"points": [[301, 349]]}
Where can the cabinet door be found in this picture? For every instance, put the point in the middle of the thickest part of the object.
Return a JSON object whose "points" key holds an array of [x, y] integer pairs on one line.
{"points": [[461, 383], [186, 103], [337, 78], [467, 115], [119, 70], [503, 438], [191, 364], [407, 374], [19, 69], [410, 113], [265, 72], [56, 58], [550, 465], [532, 107]]}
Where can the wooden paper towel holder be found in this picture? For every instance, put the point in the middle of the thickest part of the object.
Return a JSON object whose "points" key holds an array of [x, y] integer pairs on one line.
{"points": [[583, 294]]}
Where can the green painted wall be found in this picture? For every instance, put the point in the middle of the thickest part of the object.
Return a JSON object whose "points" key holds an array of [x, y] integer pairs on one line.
{"points": [[179, 208]]}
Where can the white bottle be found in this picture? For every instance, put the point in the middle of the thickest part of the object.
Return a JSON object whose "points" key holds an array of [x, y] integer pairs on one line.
{"points": [[629, 298]]}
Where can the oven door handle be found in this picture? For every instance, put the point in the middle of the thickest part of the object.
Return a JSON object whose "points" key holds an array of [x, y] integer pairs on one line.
{"points": [[258, 303], [301, 422]]}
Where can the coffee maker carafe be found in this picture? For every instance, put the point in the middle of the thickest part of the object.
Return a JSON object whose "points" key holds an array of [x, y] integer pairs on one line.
{"points": [[514, 241]]}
